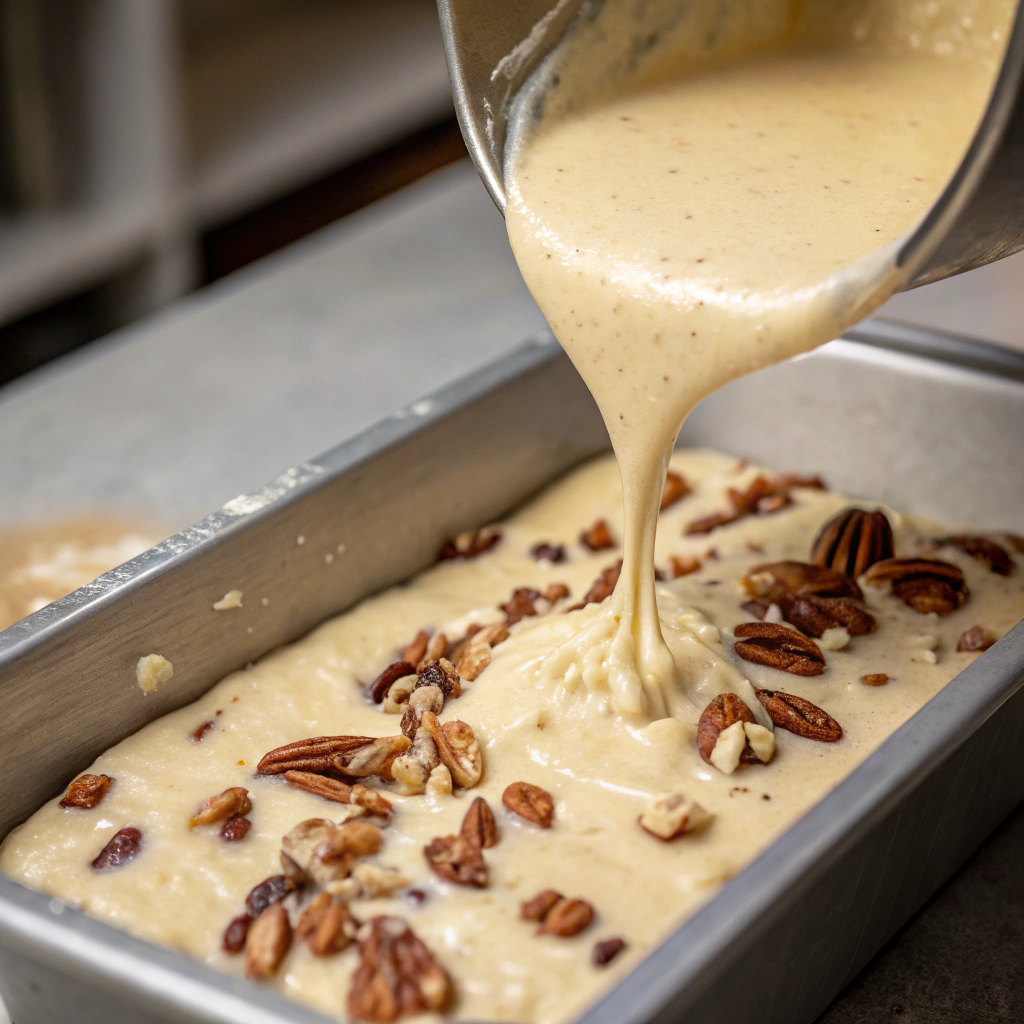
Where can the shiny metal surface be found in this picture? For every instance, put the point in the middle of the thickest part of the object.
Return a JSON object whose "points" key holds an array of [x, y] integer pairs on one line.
{"points": [[493, 47], [882, 418]]}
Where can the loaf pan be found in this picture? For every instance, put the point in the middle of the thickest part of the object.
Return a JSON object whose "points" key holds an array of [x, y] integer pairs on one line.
{"points": [[925, 422]]}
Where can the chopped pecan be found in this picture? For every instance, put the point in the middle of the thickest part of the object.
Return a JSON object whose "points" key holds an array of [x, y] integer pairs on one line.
{"points": [[759, 609], [673, 815], [326, 852], [555, 592], [813, 615], [800, 716], [522, 604], [471, 543], [773, 581], [683, 565], [925, 584], [87, 791], [544, 552], [458, 749], [875, 679], [530, 802], [852, 541], [977, 638], [459, 647], [233, 940], [984, 550], [598, 537], [768, 643], [413, 651], [728, 735], [375, 881], [198, 734], [539, 907], [605, 952], [601, 588], [270, 890], [424, 698], [457, 859], [341, 792], [474, 660], [440, 673], [396, 976], [437, 648], [479, 825], [123, 847], [268, 941], [396, 670], [327, 926], [232, 803], [234, 830], [567, 918], [712, 521], [676, 488], [490, 636], [412, 769]]}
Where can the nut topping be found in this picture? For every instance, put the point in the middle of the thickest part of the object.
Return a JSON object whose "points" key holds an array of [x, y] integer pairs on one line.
{"points": [[414, 651], [852, 541], [397, 975], [673, 815], [395, 671], [567, 918], [601, 588], [530, 802], [457, 859], [269, 938], [676, 488], [232, 803], [327, 926], [458, 749], [762, 496], [984, 550], [728, 735], [473, 661], [412, 769], [544, 552], [605, 952], [87, 791], [814, 615], [598, 537], [341, 792], [233, 940], [794, 714], [925, 584], [556, 592], [270, 890], [351, 756], [540, 906], [123, 847], [682, 565], [977, 638], [774, 581], [479, 825], [234, 830], [768, 643], [325, 852], [875, 679], [522, 604], [471, 543]]}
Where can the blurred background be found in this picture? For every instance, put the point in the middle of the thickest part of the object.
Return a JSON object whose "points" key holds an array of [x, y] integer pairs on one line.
{"points": [[148, 147]]}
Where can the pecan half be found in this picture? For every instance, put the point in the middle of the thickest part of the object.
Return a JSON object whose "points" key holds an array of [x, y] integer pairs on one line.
{"points": [[601, 588], [530, 802], [87, 791], [458, 749], [539, 907], [313, 755], [768, 643], [341, 792], [521, 605], [799, 716], [728, 735], [598, 537], [568, 917], [544, 552], [925, 584], [123, 847], [327, 926], [471, 543], [233, 940], [813, 615], [673, 815], [271, 890], [875, 679], [676, 488], [395, 671], [605, 952], [397, 975], [773, 581], [414, 651], [268, 941], [977, 638], [232, 803], [479, 825], [987, 551], [852, 541], [457, 859], [234, 830]]}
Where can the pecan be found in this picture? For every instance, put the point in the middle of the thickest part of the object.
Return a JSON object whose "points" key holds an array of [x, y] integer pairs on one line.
{"points": [[555, 592], [728, 735], [875, 679], [790, 480], [313, 755], [87, 791], [326, 926], [424, 698], [374, 758], [397, 974], [235, 829], [471, 543], [198, 734], [601, 588], [474, 660], [491, 635], [458, 749], [233, 940], [544, 552], [270, 890], [539, 907], [773, 581], [326, 852], [852, 541], [479, 825], [459, 647], [437, 648], [457, 859], [605, 952], [341, 792], [977, 638], [412, 769], [682, 565], [768, 643], [375, 882], [676, 488], [232, 803], [813, 615], [123, 847], [567, 918], [269, 938], [796, 715], [522, 604], [984, 550], [413, 651], [705, 524], [598, 537], [925, 584], [673, 815], [530, 802], [396, 670], [756, 608], [440, 673]]}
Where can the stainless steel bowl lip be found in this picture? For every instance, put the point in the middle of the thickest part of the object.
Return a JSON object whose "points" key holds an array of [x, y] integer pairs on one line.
{"points": [[35, 925]]}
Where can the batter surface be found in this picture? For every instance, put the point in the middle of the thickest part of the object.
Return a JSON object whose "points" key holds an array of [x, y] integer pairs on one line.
{"points": [[601, 769]]}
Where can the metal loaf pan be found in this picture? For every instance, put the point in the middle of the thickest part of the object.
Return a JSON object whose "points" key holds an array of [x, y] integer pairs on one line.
{"points": [[923, 421]]}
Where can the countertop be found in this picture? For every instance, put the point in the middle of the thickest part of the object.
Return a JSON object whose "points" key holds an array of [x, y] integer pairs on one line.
{"points": [[171, 417]]}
